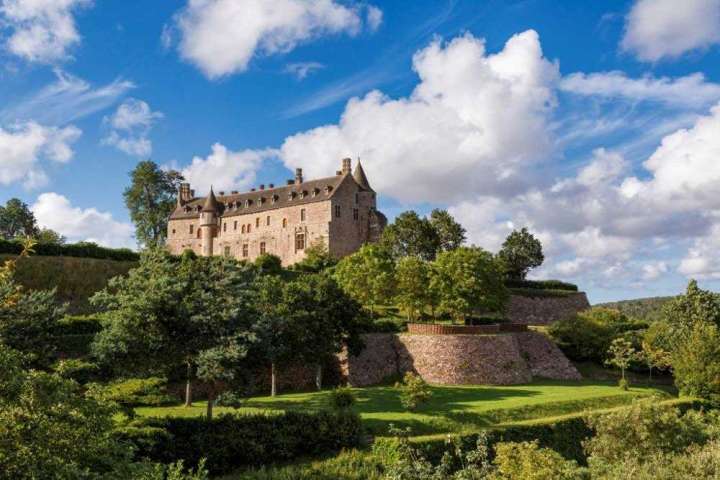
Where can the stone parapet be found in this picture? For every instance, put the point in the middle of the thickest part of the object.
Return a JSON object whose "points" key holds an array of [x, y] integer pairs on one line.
{"points": [[440, 329]]}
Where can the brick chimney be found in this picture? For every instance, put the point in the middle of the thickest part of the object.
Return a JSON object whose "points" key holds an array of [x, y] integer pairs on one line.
{"points": [[346, 166], [262, 186], [184, 194], [298, 176]]}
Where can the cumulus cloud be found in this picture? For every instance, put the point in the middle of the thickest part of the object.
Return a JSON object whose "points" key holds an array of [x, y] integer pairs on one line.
{"points": [[224, 169], [24, 148], [42, 30], [221, 36], [475, 122], [302, 69], [55, 211], [690, 91], [658, 29], [374, 18], [130, 126], [702, 259]]}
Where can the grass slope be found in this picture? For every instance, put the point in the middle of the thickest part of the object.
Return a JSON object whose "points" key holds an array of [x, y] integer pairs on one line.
{"points": [[451, 408]]}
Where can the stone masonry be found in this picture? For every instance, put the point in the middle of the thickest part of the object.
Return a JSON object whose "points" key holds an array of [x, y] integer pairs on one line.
{"points": [[545, 310]]}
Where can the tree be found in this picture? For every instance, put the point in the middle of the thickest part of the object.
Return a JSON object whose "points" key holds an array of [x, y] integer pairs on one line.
{"points": [[167, 311], [151, 198], [47, 236], [696, 306], [527, 461], [653, 350], [468, 280], [326, 319], [269, 264], [367, 275], [220, 364], [621, 354], [411, 235], [412, 276], [520, 252], [17, 220], [696, 363], [450, 233], [317, 259]]}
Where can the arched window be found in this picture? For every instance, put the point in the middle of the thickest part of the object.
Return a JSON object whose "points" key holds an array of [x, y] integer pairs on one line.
{"points": [[243, 229], [284, 222]]}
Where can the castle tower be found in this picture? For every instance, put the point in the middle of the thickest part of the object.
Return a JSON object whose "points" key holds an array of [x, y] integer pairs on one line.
{"points": [[360, 177], [208, 224]]}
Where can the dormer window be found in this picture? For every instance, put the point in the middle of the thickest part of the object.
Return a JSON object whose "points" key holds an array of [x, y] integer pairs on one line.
{"points": [[315, 191], [262, 200], [291, 195], [248, 202], [274, 199], [328, 189], [187, 208]]}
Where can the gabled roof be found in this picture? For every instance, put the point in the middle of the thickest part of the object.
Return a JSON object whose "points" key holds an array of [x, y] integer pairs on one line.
{"points": [[360, 177]]}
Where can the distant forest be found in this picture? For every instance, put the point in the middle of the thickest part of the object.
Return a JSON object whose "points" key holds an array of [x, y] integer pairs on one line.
{"points": [[647, 309]]}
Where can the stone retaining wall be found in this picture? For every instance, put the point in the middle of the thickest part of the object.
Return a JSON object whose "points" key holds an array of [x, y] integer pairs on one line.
{"points": [[545, 310], [502, 359], [440, 329]]}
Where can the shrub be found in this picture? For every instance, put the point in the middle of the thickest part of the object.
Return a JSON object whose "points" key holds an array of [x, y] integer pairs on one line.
{"points": [[134, 392], [269, 264], [81, 249], [78, 325], [233, 441], [527, 461], [230, 399], [624, 384], [414, 391], [696, 363], [541, 284], [342, 398], [78, 370]]}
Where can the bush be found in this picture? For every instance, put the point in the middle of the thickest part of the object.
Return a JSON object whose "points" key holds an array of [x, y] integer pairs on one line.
{"points": [[696, 363], [541, 284], [233, 441], [134, 392], [230, 399], [342, 398], [414, 391], [78, 325], [82, 249], [624, 384], [269, 264], [78, 370]]}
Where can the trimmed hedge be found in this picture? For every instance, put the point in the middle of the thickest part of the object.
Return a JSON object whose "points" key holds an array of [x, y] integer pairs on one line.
{"points": [[541, 285], [78, 325], [82, 249], [229, 441]]}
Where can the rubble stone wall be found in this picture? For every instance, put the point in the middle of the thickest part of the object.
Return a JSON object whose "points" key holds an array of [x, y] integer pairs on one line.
{"points": [[543, 310]]}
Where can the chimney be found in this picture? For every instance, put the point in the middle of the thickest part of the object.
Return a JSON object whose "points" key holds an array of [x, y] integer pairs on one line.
{"points": [[290, 181], [298, 176], [262, 186], [184, 194], [221, 193], [234, 192], [252, 189], [271, 185], [346, 166]]}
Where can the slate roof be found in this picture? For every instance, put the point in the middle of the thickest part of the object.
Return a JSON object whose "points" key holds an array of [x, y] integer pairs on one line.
{"points": [[263, 200]]}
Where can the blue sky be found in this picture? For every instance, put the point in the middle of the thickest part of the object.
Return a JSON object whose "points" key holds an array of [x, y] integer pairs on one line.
{"points": [[592, 123]]}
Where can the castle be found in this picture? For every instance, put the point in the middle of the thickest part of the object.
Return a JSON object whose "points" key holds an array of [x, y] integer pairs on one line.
{"points": [[338, 211]]}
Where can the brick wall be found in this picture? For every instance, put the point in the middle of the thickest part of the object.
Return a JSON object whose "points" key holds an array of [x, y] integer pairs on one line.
{"points": [[545, 310]]}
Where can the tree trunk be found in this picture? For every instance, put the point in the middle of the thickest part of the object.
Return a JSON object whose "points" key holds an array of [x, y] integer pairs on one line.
{"points": [[188, 386], [210, 401], [273, 380], [318, 376], [651, 372]]}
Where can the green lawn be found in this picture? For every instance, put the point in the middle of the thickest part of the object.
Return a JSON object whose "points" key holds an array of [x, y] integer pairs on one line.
{"points": [[452, 408]]}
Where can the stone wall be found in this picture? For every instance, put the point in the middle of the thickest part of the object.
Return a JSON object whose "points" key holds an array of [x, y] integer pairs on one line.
{"points": [[545, 310], [503, 359]]}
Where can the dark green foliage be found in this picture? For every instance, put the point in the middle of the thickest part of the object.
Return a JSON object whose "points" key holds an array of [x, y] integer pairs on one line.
{"points": [[695, 306], [74, 345], [647, 309], [588, 335], [342, 398], [269, 264], [413, 391], [696, 363], [17, 220], [78, 325], [232, 441], [79, 370], [520, 253], [540, 284], [47, 236], [150, 198], [135, 392], [450, 234], [317, 259], [411, 235], [81, 249], [230, 399]]}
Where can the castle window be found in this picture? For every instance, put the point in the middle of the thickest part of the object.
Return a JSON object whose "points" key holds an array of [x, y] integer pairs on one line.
{"points": [[284, 222], [257, 222], [262, 248], [227, 251], [356, 214], [248, 229], [243, 229], [357, 198], [267, 220], [302, 215], [315, 191], [328, 189], [291, 195], [299, 241], [173, 231], [247, 203], [245, 250], [235, 225], [262, 200], [337, 211], [198, 232], [224, 227], [192, 227]]}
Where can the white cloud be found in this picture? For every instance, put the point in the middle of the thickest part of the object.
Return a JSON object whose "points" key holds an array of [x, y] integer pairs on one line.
{"points": [[24, 147], [77, 224], [302, 69], [374, 18], [67, 99], [690, 91], [654, 270], [474, 123], [657, 29], [221, 36], [224, 169], [42, 30], [131, 124], [702, 259]]}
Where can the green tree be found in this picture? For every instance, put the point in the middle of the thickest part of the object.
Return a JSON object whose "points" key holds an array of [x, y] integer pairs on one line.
{"points": [[47, 236], [696, 363], [368, 276], [269, 264], [695, 306], [168, 310], [520, 252], [412, 276], [151, 198], [17, 220], [449, 232], [621, 354], [527, 461], [411, 235], [326, 319], [468, 280], [414, 391], [317, 259], [218, 366], [654, 354]]}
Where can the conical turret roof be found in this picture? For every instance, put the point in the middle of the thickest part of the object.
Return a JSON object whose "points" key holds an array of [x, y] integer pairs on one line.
{"points": [[360, 178], [211, 204]]}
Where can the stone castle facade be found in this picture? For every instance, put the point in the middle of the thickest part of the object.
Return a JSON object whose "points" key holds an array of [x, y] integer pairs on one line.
{"points": [[338, 211]]}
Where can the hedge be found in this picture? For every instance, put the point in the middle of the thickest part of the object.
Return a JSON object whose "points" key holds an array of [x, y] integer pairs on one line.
{"points": [[229, 441], [541, 285], [78, 325], [82, 249]]}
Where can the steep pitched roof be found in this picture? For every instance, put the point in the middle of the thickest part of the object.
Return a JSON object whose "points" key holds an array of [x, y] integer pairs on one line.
{"points": [[211, 204], [361, 178]]}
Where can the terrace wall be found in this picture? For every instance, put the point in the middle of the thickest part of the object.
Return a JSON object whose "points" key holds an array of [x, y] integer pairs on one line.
{"points": [[543, 310]]}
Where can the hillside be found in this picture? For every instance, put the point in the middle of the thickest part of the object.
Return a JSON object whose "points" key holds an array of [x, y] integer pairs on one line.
{"points": [[642, 308], [75, 278]]}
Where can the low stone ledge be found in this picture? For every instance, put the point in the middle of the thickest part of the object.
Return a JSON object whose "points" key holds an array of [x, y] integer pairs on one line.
{"points": [[441, 329]]}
